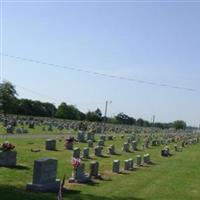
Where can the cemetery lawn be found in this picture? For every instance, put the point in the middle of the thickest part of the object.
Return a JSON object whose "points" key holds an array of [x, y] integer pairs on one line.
{"points": [[174, 178]]}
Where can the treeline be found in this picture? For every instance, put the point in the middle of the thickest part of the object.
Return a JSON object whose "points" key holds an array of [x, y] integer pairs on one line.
{"points": [[10, 104]]}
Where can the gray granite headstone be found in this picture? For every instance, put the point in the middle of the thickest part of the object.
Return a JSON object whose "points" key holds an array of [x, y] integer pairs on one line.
{"points": [[90, 143], [138, 160], [81, 136], [126, 165], [94, 169], [131, 164], [134, 145], [125, 147], [8, 158], [44, 176], [79, 175], [86, 152], [76, 152], [116, 166], [111, 149], [101, 143], [98, 151], [50, 144]]}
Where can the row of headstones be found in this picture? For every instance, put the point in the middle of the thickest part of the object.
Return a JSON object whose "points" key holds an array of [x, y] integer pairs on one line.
{"points": [[97, 151], [45, 171], [85, 136]]}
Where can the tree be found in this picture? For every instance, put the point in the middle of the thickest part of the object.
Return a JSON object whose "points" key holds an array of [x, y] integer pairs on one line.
{"points": [[68, 112], [140, 122], [179, 124], [98, 112], [93, 116], [7, 97], [125, 119]]}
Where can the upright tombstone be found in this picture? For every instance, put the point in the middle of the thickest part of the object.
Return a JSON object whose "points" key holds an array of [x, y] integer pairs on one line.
{"points": [[110, 137], [86, 153], [101, 143], [126, 165], [98, 151], [90, 136], [94, 169], [103, 137], [154, 143], [146, 159], [131, 164], [44, 176], [50, 145], [138, 160], [129, 140], [81, 136], [79, 175], [111, 149], [8, 158], [116, 166], [126, 147], [76, 152], [134, 145], [90, 143]]}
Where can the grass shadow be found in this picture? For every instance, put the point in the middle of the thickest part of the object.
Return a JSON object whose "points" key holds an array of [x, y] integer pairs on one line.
{"points": [[18, 167]]}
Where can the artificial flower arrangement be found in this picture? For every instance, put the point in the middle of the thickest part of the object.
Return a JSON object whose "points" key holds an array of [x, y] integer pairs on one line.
{"points": [[70, 139], [75, 163], [6, 146]]}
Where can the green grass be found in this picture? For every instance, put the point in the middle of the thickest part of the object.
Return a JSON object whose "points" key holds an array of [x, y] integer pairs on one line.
{"points": [[174, 178]]}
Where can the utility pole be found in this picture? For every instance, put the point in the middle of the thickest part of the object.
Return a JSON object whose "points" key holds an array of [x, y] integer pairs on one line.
{"points": [[105, 115], [154, 117]]}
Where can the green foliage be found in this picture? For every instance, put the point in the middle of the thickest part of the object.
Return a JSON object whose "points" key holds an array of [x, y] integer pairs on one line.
{"points": [[65, 111], [95, 116], [125, 119], [179, 124], [7, 97]]}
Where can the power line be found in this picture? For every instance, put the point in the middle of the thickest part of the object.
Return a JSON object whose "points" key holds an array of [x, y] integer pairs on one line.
{"points": [[56, 99], [100, 74]]}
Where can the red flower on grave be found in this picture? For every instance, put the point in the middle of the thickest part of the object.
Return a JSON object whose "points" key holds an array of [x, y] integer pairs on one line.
{"points": [[75, 163], [6, 146]]}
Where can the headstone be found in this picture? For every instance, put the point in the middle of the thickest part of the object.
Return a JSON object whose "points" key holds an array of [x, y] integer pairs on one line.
{"points": [[146, 159], [86, 153], [116, 166], [76, 152], [90, 143], [81, 136], [101, 143], [90, 136], [111, 149], [134, 145], [50, 145], [131, 163], [126, 147], [79, 175], [126, 165], [138, 160], [110, 137], [44, 176], [98, 151], [129, 140], [8, 158], [94, 169], [69, 143], [103, 137]]}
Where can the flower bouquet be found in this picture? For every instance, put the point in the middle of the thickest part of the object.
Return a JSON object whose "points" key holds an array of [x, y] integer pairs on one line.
{"points": [[6, 146]]}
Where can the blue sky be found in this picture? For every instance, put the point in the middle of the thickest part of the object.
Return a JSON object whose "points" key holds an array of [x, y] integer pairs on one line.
{"points": [[156, 42]]}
